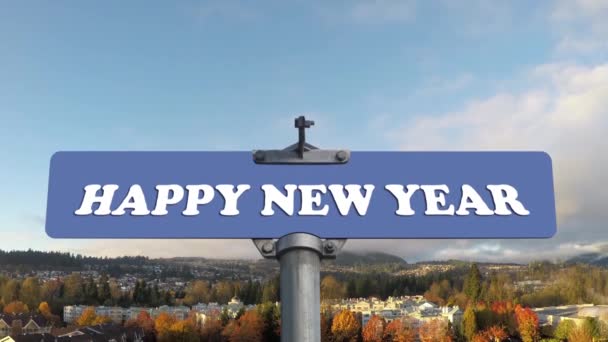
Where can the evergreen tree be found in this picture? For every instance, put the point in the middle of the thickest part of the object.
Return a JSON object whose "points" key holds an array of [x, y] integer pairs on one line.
{"points": [[472, 286], [469, 323], [271, 317], [104, 293]]}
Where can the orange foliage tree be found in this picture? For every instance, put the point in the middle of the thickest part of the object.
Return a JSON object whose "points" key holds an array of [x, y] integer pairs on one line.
{"points": [[143, 321], [374, 329], [162, 324], [16, 307], [435, 330], [184, 330], [492, 334], [345, 326], [248, 328], [101, 320], [44, 309], [527, 323], [87, 317], [400, 330], [504, 315]]}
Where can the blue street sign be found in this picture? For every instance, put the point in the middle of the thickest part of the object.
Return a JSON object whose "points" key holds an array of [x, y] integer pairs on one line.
{"points": [[374, 195]]}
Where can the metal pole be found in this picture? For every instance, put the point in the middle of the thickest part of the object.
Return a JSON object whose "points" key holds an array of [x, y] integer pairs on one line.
{"points": [[299, 256]]}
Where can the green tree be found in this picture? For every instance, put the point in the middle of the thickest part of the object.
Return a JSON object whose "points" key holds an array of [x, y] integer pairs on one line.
{"points": [[104, 293], [30, 292], [469, 323], [10, 291], [73, 289], [472, 284], [90, 292], [271, 317], [583, 332], [564, 329]]}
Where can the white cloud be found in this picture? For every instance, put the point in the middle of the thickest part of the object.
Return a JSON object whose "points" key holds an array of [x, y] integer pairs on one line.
{"points": [[581, 26], [565, 112], [229, 249], [498, 251], [577, 9]]}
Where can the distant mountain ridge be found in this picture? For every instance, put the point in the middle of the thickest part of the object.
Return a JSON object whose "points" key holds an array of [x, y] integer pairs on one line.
{"points": [[347, 258], [595, 259]]}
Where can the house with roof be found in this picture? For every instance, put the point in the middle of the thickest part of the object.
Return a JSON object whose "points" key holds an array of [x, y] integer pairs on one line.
{"points": [[23, 324], [103, 332], [30, 338]]}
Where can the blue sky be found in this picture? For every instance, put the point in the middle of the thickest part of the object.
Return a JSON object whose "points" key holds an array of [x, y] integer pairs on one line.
{"points": [[384, 74]]}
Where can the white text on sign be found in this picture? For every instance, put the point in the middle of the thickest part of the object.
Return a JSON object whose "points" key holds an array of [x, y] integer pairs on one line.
{"points": [[98, 199]]}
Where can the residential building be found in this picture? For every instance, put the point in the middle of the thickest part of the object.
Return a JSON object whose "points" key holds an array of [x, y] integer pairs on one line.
{"points": [[23, 323]]}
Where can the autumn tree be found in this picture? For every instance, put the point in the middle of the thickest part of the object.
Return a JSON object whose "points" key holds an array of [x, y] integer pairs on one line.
{"points": [[439, 292], [331, 288], [345, 326], [30, 292], [492, 334], [374, 329], [10, 291], [503, 312], [184, 330], [87, 317], [223, 291], [73, 289], [469, 323], [45, 311], [197, 292], [211, 330], [496, 333], [435, 330], [500, 288], [400, 330], [326, 322], [143, 321], [101, 320], [51, 291], [527, 324], [248, 328], [16, 307], [162, 325], [563, 329], [580, 334]]}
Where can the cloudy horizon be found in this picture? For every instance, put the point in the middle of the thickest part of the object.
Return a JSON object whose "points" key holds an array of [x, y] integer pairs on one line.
{"points": [[374, 75]]}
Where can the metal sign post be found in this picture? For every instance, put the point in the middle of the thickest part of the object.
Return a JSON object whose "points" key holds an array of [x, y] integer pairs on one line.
{"points": [[300, 254]]}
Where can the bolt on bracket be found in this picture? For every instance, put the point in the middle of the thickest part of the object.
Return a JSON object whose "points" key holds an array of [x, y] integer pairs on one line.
{"points": [[272, 249], [301, 152]]}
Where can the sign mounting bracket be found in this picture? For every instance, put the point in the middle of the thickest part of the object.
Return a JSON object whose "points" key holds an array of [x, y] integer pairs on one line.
{"points": [[301, 152]]}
